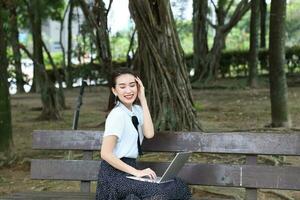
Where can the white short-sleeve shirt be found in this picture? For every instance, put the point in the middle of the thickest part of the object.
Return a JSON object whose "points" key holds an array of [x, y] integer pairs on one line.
{"points": [[119, 123]]}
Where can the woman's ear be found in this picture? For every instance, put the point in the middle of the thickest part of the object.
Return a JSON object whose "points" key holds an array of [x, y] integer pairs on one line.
{"points": [[114, 91]]}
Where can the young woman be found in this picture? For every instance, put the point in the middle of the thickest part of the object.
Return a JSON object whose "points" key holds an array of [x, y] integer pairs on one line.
{"points": [[120, 146]]}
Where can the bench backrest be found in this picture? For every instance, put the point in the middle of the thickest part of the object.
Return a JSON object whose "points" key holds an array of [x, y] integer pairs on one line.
{"points": [[249, 175]]}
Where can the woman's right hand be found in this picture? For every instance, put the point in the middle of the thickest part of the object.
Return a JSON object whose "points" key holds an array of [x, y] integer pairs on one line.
{"points": [[146, 172], [141, 89]]}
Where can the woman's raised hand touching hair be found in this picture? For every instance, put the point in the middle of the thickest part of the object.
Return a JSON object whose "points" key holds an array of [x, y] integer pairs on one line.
{"points": [[148, 128], [141, 89]]}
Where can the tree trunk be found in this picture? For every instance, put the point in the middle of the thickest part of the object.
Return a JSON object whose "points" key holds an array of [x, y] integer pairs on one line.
{"points": [[130, 52], [278, 86], [160, 59], [214, 56], [5, 112], [102, 33], [263, 32], [35, 87], [50, 109], [253, 53], [200, 11], [263, 17], [69, 79], [63, 63], [15, 46], [60, 92], [98, 20], [211, 59]]}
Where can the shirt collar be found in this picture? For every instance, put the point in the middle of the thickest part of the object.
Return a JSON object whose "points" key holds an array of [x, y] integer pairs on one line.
{"points": [[123, 107]]}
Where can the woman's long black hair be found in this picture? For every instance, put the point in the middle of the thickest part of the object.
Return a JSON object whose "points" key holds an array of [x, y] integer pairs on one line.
{"points": [[113, 100]]}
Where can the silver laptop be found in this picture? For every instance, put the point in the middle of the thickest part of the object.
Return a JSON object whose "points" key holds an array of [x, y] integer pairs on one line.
{"points": [[171, 172]]}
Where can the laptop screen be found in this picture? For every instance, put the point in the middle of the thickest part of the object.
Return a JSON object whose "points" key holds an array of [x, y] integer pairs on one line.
{"points": [[175, 166]]}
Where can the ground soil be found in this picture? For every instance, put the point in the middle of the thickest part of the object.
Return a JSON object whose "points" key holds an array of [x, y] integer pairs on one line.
{"points": [[226, 105]]}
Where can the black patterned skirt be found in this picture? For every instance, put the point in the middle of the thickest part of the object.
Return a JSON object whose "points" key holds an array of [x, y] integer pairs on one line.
{"points": [[113, 185]]}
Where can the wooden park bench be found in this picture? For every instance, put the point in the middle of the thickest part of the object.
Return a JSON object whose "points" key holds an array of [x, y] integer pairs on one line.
{"points": [[249, 175]]}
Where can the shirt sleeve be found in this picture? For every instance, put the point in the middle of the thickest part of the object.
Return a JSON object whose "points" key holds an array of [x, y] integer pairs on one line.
{"points": [[114, 124]]}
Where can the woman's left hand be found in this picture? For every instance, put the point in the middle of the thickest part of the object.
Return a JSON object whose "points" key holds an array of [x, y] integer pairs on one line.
{"points": [[141, 89]]}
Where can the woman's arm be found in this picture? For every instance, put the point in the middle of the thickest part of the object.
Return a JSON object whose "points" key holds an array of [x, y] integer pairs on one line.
{"points": [[107, 147], [148, 128]]}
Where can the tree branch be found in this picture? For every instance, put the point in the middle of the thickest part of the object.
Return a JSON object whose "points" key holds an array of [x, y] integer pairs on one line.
{"points": [[60, 35], [239, 12], [27, 52], [211, 23], [40, 66], [50, 57], [228, 7], [130, 47], [109, 6], [88, 16], [92, 23], [215, 7]]}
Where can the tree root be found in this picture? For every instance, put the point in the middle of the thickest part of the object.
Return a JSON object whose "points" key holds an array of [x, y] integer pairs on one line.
{"points": [[267, 129], [8, 158], [275, 160], [279, 194], [237, 194], [234, 160]]}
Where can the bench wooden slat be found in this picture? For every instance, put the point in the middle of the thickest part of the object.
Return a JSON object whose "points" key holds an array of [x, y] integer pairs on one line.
{"points": [[231, 142], [69, 140], [69, 196], [260, 176], [50, 196], [80, 170]]}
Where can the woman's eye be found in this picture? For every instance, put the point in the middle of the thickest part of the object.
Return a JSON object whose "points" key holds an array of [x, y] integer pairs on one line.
{"points": [[133, 84]]}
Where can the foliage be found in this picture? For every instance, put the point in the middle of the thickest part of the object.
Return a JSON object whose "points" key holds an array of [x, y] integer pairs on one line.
{"points": [[185, 33], [57, 58], [293, 23], [85, 71], [293, 59], [49, 10], [199, 106], [120, 41], [53, 9], [235, 62], [5, 16], [119, 45], [238, 38]]}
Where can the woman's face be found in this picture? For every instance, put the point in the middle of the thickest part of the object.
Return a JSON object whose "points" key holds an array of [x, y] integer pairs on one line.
{"points": [[126, 89]]}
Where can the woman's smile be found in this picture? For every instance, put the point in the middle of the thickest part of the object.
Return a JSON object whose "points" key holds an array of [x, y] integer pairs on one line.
{"points": [[129, 96]]}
